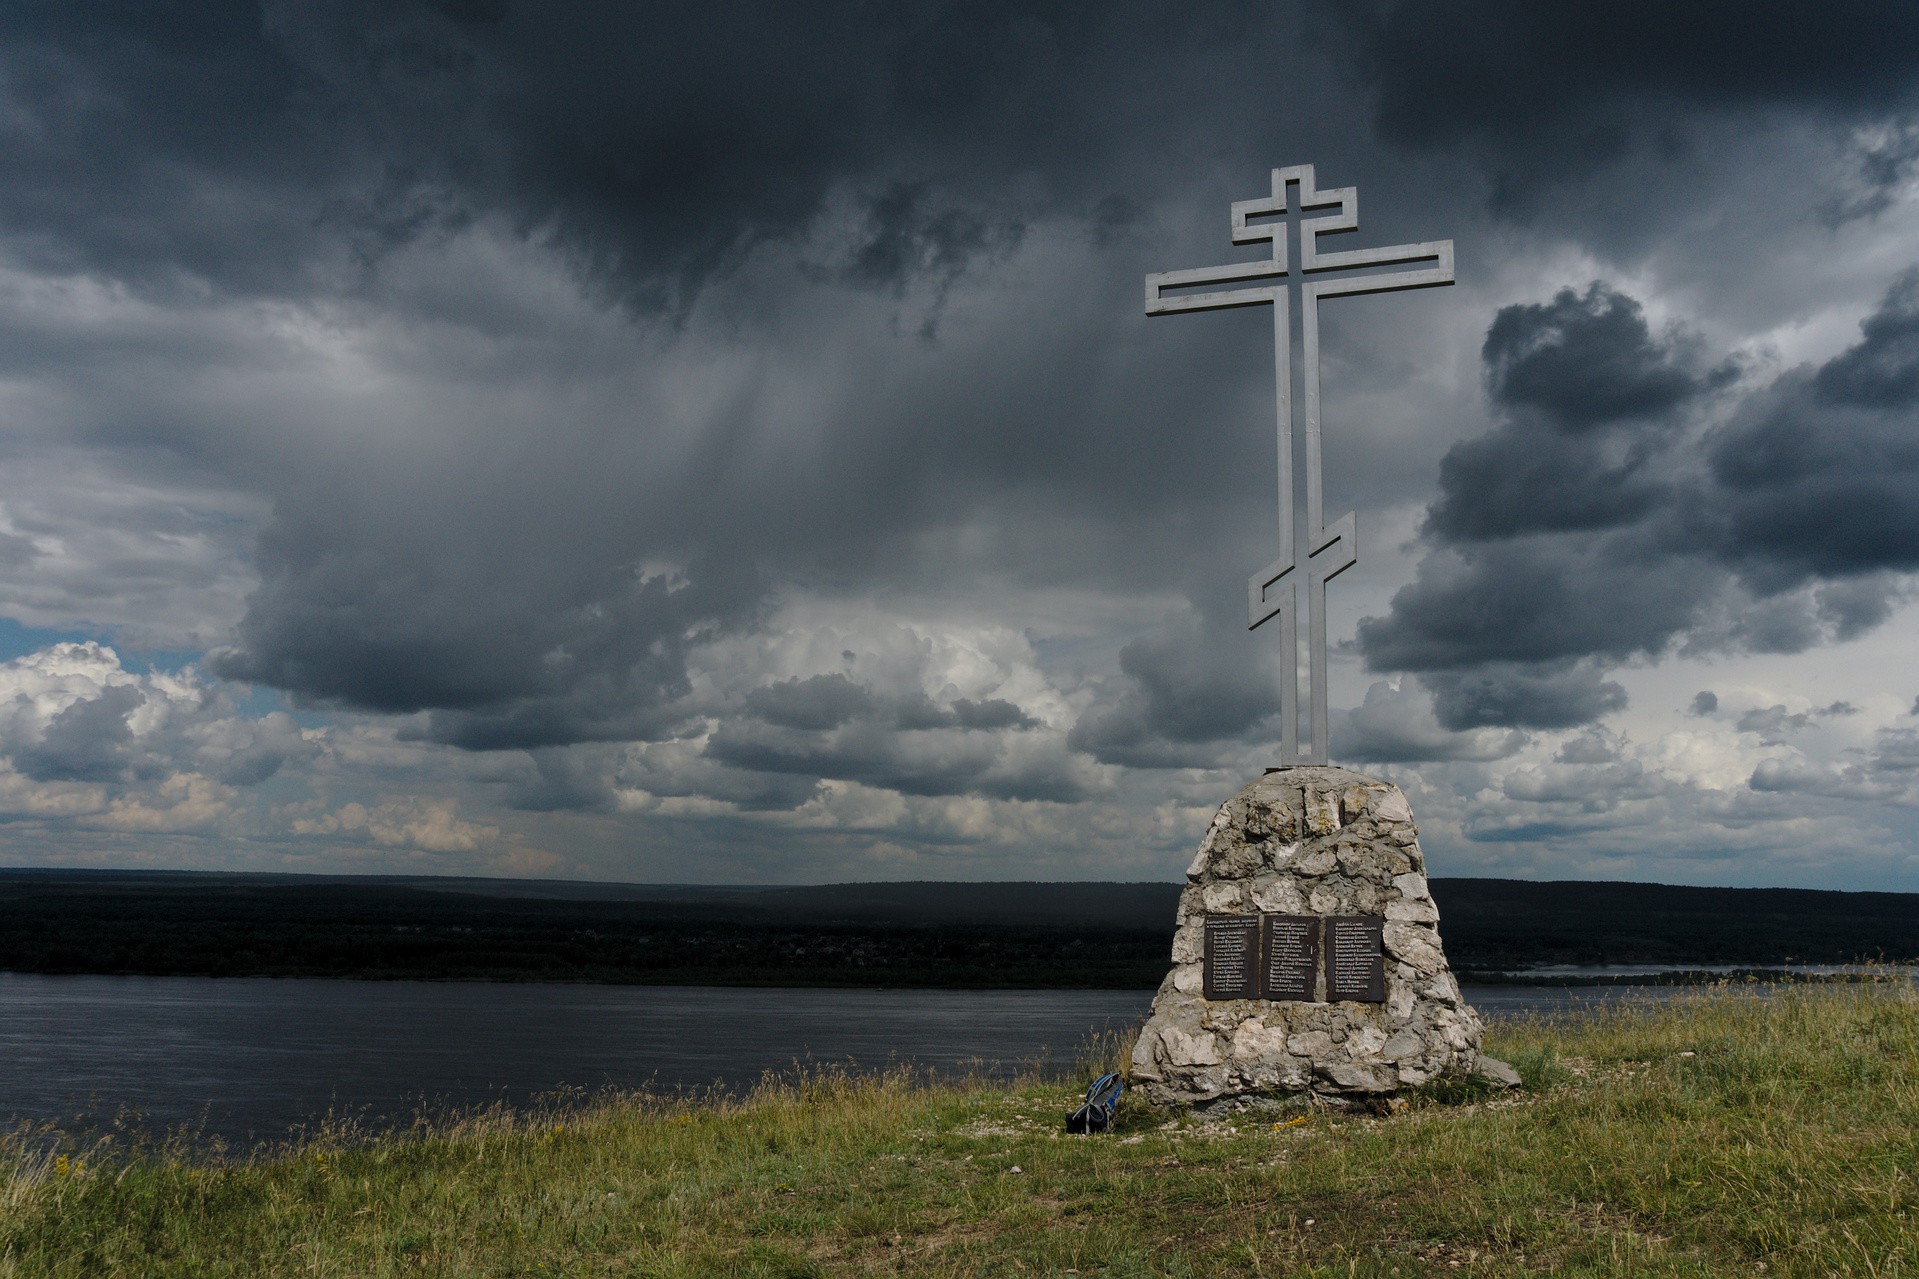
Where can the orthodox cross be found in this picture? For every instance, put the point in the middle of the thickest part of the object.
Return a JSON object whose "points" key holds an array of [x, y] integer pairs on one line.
{"points": [[1320, 552]]}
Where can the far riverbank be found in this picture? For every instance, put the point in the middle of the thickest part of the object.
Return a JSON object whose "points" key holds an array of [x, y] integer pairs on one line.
{"points": [[1039, 936]]}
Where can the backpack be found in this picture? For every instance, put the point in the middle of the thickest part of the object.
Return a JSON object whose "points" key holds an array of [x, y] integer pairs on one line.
{"points": [[1096, 1113]]}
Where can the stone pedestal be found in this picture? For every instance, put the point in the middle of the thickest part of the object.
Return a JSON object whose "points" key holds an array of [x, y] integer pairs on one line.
{"points": [[1316, 841]]}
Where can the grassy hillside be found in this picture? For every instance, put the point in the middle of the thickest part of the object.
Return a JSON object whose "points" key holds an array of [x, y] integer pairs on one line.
{"points": [[1721, 1134]]}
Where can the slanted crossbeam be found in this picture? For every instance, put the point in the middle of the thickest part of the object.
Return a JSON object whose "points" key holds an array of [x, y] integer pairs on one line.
{"points": [[1320, 552]]}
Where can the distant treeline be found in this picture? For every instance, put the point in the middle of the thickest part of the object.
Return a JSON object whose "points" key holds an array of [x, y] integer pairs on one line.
{"points": [[231, 928], [1500, 924], [917, 934]]}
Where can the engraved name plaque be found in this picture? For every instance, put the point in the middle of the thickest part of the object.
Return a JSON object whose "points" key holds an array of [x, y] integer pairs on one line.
{"points": [[1289, 956], [1231, 969], [1355, 959]]}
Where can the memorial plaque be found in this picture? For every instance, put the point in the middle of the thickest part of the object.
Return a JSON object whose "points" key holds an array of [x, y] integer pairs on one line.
{"points": [[1288, 956], [1231, 970], [1355, 958]]}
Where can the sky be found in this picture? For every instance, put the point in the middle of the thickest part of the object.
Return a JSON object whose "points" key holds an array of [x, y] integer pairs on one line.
{"points": [[723, 442]]}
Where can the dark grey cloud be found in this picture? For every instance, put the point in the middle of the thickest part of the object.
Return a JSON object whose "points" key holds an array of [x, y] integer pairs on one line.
{"points": [[1896, 750], [502, 654], [1817, 477], [928, 760], [1547, 91], [589, 778], [821, 703], [89, 741], [816, 704], [1182, 695], [615, 131], [246, 752], [1523, 695], [158, 147], [657, 146], [1882, 161], [1549, 599], [1590, 747], [1773, 722], [1591, 399], [910, 238], [1593, 526], [874, 724], [927, 763], [1797, 775], [1705, 702], [1397, 725], [989, 713], [566, 779], [1582, 362]]}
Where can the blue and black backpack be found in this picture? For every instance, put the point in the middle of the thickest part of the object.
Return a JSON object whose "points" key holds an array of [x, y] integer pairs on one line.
{"points": [[1096, 1114]]}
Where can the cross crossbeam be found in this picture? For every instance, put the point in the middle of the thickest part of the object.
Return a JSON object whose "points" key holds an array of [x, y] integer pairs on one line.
{"points": [[1322, 551]]}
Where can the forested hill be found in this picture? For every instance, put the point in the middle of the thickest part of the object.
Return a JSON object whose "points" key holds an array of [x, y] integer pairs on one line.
{"points": [[903, 934], [1503, 923]]}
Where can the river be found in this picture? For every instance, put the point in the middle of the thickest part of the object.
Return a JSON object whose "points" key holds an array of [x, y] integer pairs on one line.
{"points": [[251, 1059]]}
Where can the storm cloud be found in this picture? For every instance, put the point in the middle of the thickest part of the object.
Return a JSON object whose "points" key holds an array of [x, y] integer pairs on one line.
{"points": [[1815, 478], [1183, 694], [280, 147], [1604, 519], [1544, 93], [723, 440]]}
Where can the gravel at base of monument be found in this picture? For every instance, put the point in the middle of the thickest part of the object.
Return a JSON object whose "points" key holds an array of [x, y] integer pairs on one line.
{"points": [[1321, 841]]}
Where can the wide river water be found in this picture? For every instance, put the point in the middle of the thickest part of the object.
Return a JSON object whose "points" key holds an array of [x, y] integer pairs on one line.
{"points": [[251, 1059]]}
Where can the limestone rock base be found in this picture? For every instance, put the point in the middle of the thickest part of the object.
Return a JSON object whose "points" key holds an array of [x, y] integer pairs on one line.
{"points": [[1310, 840]]}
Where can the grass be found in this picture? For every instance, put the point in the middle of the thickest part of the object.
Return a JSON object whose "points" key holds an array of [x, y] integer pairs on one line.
{"points": [[1723, 1133]]}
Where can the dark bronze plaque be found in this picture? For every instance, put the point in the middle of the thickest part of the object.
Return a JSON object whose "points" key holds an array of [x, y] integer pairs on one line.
{"points": [[1355, 958], [1288, 956], [1231, 970]]}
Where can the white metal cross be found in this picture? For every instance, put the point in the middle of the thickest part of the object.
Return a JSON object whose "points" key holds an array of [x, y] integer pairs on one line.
{"points": [[1324, 551]]}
